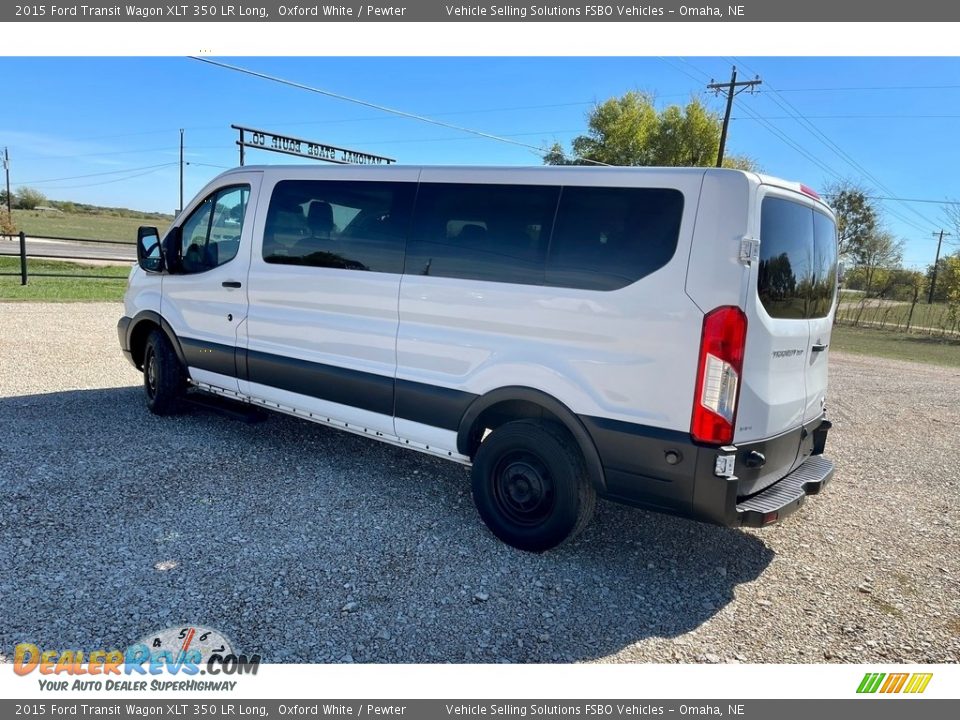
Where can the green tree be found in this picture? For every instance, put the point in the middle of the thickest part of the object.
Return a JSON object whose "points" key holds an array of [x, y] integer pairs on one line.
{"points": [[857, 218], [877, 254], [629, 130], [27, 198], [949, 278]]}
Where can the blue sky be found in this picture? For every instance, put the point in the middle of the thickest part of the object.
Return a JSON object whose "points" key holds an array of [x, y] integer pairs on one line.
{"points": [[105, 130]]}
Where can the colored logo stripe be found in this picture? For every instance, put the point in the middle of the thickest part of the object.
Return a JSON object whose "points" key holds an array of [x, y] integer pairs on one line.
{"points": [[894, 682], [918, 682], [870, 682]]}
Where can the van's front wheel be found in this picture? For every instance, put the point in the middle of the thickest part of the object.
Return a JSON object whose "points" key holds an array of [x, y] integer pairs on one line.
{"points": [[163, 376], [530, 485]]}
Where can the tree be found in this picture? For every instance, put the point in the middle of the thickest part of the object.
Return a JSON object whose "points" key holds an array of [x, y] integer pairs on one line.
{"points": [[878, 251], [629, 130], [949, 278], [857, 218], [27, 198]]}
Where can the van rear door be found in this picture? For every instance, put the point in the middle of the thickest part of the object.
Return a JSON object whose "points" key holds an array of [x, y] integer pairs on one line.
{"points": [[789, 303], [824, 291]]}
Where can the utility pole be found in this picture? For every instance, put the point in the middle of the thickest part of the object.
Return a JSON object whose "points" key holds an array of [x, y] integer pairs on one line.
{"points": [[6, 168], [731, 88], [933, 280], [181, 171]]}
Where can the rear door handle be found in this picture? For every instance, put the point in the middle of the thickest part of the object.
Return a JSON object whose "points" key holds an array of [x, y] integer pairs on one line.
{"points": [[230, 284], [818, 347]]}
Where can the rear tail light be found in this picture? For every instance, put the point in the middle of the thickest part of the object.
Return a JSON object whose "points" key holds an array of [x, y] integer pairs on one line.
{"points": [[718, 376]]}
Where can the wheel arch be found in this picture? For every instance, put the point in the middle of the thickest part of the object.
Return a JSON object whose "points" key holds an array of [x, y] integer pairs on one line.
{"points": [[516, 403], [139, 330]]}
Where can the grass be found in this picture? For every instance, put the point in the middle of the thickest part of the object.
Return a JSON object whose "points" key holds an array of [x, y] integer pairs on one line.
{"points": [[56, 289], [85, 226], [897, 346]]}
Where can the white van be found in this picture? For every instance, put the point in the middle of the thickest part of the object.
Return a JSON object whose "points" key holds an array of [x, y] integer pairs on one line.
{"points": [[655, 336]]}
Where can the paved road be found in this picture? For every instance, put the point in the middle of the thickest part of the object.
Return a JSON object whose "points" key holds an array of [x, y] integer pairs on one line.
{"points": [[113, 252]]}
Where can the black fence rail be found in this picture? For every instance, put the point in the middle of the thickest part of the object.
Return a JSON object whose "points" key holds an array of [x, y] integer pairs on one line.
{"points": [[70, 255]]}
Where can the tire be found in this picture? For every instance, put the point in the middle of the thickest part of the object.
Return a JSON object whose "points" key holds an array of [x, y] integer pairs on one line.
{"points": [[164, 379], [530, 485]]}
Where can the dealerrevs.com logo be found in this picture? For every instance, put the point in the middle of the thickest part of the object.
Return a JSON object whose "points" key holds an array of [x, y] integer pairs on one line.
{"points": [[183, 651], [910, 683]]}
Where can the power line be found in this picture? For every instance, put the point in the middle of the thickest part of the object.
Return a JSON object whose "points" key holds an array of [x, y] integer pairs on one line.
{"points": [[36, 158], [857, 117], [375, 106], [100, 174], [114, 180], [816, 132], [776, 132], [916, 200], [870, 87]]}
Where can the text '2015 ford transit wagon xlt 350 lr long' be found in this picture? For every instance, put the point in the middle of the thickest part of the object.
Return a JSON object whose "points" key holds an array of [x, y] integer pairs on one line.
{"points": [[655, 336]]}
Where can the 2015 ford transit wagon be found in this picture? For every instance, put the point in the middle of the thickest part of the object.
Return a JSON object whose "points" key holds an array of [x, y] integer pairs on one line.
{"points": [[655, 336]]}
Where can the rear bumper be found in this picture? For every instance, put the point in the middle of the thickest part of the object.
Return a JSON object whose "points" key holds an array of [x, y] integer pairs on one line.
{"points": [[665, 471], [786, 496]]}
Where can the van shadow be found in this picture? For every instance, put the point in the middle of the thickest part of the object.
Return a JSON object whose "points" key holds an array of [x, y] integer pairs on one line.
{"points": [[306, 544]]}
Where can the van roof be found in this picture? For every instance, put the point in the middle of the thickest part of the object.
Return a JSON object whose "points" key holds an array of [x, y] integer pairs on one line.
{"points": [[573, 170]]}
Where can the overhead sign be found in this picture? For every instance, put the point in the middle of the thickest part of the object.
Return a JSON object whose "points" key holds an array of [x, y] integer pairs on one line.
{"points": [[263, 140]]}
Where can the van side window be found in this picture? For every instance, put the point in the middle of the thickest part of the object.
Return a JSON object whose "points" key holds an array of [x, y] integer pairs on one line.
{"points": [[607, 238], [334, 224], [211, 235], [497, 233], [797, 276]]}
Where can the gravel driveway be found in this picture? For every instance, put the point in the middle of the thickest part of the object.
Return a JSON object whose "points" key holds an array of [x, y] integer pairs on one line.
{"points": [[306, 544]]}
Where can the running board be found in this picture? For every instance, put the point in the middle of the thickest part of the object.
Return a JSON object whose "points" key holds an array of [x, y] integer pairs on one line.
{"points": [[233, 409]]}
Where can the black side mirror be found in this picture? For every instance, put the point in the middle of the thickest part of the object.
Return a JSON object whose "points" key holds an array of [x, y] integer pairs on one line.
{"points": [[171, 249], [149, 256]]}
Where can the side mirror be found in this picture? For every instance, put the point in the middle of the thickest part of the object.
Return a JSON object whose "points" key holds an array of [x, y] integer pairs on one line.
{"points": [[171, 250], [148, 249]]}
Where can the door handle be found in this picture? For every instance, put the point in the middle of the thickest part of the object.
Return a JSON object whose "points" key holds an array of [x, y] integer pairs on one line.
{"points": [[817, 347], [230, 284]]}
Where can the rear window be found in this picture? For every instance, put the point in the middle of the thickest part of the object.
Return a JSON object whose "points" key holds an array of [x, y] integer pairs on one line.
{"points": [[607, 238], [797, 276]]}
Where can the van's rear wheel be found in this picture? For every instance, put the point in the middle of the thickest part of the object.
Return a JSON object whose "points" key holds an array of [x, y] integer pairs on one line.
{"points": [[530, 485], [164, 380]]}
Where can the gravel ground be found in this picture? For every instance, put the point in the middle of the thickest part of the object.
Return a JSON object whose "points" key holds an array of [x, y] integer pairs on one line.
{"points": [[306, 544]]}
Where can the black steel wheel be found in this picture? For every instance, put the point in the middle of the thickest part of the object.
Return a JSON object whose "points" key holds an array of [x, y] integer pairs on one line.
{"points": [[164, 378], [530, 485]]}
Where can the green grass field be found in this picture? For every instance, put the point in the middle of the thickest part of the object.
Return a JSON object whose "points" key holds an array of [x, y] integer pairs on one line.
{"points": [[897, 346], [57, 289], [85, 226]]}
